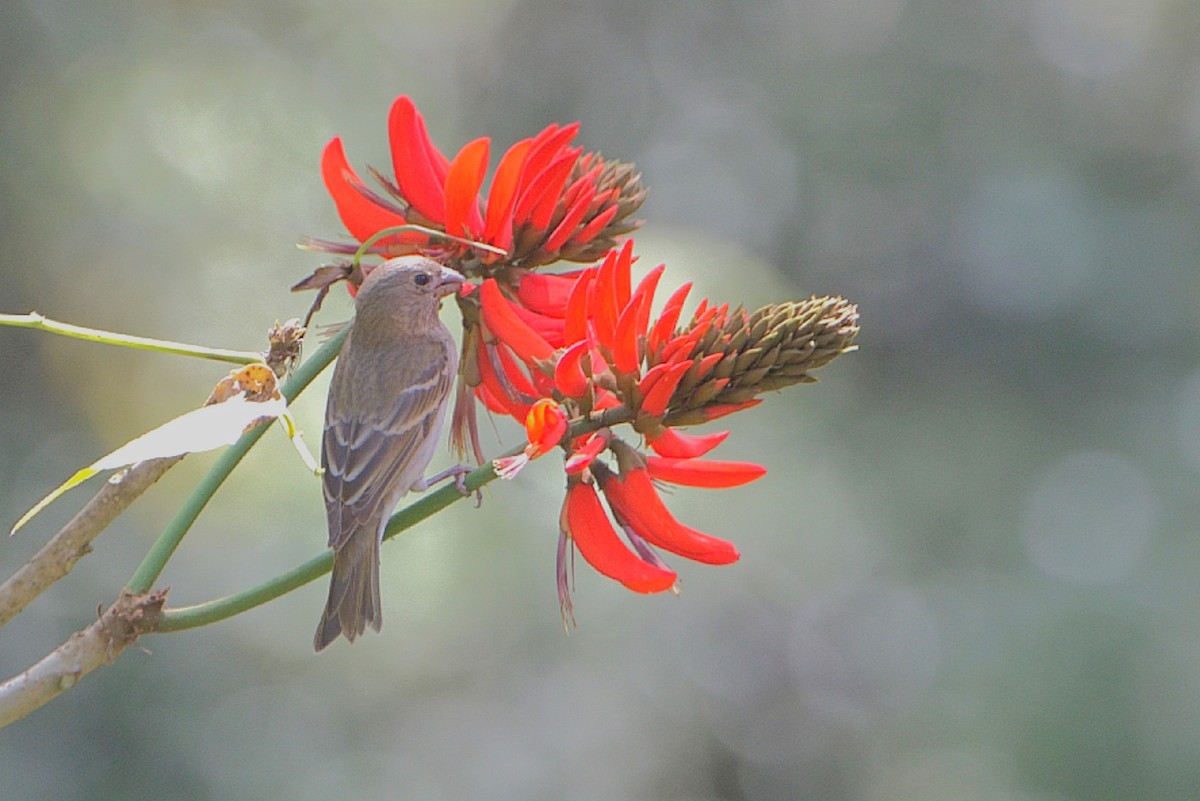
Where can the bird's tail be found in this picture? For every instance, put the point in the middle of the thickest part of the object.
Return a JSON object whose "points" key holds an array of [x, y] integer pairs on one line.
{"points": [[353, 591]]}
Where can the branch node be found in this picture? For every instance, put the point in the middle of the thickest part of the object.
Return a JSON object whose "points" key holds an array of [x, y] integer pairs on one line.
{"points": [[132, 616]]}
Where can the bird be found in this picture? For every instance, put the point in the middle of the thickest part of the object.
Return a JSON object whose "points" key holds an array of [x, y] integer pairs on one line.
{"points": [[383, 420]]}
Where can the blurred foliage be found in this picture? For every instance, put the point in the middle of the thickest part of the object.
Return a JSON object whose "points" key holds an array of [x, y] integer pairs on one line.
{"points": [[972, 572]]}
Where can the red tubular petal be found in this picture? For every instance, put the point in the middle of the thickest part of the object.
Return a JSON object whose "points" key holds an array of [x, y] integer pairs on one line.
{"points": [[596, 539], [536, 203], [548, 328], [621, 275], [644, 297], [547, 145], [713, 411], [583, 186], [602, 301], [684, 343], [625, 341], [703, 319], [605, 400], [675, 444], [703, 472], [361, 217], [502, 321], [585, 454], [497, 392], [599, 364], [664, 327], [462, 189], [652, 377], [568, 373], [516, 375], [584, 183], [544, 135], [547, 293], [676, 300], [545, 426], [611, 195], [597, 224], [636, 501], [543, 382], [493, 403], [503, 195], [415, 160], [552, 197], [575, 324], [570, 221], [676, 349], [708, 363], [655, 401]]}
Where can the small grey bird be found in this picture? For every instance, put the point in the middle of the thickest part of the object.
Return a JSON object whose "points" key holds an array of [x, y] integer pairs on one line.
{"points": [[383, 419]]}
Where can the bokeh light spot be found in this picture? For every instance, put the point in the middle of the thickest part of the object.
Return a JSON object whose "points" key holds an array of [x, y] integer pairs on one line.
{"points": [[1088, 519], [1027, 247]]}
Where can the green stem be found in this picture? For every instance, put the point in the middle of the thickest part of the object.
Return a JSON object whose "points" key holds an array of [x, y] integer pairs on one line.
{"points": [[152, 565], [35, 320], [189, 617]]}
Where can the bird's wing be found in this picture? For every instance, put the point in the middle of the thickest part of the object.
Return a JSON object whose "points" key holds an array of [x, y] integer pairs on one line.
{"points": [[374, 452]]}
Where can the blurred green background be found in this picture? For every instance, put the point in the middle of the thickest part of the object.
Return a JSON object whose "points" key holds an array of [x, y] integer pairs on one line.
{"points": [[972, 572]]}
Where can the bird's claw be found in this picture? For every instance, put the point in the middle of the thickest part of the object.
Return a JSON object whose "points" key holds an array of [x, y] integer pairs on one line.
{"points": [[460, 481]]}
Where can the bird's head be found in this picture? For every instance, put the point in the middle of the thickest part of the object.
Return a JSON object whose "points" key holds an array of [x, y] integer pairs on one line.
{"points": [[408, 288]]}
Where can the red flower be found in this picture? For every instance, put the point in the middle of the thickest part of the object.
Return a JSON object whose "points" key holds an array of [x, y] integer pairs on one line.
{"points": [[587, 340], [587, 524], [545, 424], [588, 337], [548, 200], [636, 503]]}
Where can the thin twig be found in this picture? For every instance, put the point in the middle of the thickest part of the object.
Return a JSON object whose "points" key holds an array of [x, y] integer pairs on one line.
{"points": [[37, 321], [98, 644], [73, 541]]}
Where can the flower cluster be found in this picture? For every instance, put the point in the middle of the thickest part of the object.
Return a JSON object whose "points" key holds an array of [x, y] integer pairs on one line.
{"points": [[548, 201], [573, 355]]}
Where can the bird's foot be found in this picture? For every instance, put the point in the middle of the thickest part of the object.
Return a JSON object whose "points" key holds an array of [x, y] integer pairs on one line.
{"points": [[459, 473]]}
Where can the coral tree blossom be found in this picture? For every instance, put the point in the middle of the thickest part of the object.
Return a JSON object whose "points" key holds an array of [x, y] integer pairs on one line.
{"points": [[574, 355], [548, 201], [588, 342]]}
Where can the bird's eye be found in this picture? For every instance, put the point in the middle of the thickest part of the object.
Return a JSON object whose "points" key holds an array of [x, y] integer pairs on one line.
{"points": [[422, 279]]}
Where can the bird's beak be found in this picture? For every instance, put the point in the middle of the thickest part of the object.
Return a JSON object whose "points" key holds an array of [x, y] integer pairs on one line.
{"points": [[449, 283]]}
